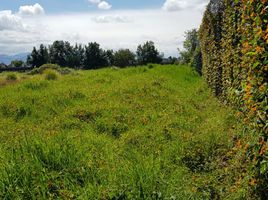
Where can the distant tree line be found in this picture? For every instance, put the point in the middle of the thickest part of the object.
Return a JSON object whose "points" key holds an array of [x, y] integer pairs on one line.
{"points": [[15, 65], [92, 56]]}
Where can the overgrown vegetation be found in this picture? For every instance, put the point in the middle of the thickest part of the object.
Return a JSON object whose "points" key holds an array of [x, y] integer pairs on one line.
{"points": [[151, 132], [234, 43]]}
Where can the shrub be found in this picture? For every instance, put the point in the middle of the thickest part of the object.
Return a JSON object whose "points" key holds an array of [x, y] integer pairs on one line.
{"points": [[51, 74], [11, 77], [234, 38], [150, 65], [17, 63], [55, 67]]}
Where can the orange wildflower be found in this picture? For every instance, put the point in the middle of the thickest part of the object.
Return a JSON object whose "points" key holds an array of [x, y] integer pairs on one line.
{"points": [[259, 49], [262, 88], [239, 144], [248, 89], [253, 182]]}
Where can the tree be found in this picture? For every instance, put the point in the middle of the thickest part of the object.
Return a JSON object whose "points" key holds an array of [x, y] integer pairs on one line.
{"points": [[38, 57], [17, 63], [109, 55], [94, 56], [190, 44], [60, 53], [43, 57], [76, 59], [147, 53], [124, 57], [3, 66], [32, 59], [191, 54]]}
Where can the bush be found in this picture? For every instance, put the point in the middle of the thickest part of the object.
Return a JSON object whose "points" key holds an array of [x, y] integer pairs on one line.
{"points": [[51, 74], [55, 67], [150, 65], [17, 63], [233, 38], [11, 77]]}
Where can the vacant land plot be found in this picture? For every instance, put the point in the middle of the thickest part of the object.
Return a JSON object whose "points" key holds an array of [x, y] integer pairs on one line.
{"points": [[139, 133]]}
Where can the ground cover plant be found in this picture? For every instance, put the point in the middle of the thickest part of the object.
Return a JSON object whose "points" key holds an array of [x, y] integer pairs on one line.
{"points": [[150, 132]]}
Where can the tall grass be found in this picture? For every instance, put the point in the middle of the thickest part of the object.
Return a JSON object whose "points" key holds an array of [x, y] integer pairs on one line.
{"points": [[11, 77], [137, 133]]}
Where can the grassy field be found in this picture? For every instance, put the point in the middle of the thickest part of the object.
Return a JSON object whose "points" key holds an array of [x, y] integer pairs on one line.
{"points": [[138, 133]]}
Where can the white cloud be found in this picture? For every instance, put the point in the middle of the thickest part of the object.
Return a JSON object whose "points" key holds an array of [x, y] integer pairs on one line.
{"points": [[174, 5], [111, 19], [9, 21], [94, 1], [15, 21], [35, 9], [166, 29], [103, 5], [177, 5]]}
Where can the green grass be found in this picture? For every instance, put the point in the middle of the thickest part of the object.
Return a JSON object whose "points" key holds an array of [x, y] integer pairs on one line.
{"points": [[136, 133]]}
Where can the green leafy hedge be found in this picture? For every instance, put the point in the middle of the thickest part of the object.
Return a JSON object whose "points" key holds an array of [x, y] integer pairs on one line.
{"points": [[234, 45]]}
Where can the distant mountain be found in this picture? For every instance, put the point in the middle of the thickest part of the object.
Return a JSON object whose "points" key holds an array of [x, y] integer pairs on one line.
{"points": [[8, 58]]}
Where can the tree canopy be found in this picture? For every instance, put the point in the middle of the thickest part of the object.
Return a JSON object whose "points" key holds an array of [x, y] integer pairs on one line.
{"points": [[147, 53], [92, 56], [124, 57], [191, 54]]}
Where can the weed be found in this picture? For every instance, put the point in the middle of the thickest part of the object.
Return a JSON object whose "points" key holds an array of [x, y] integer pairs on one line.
{"points": [[150, 66], [36, 85], [11, 77], [86, 116], [51, 74], [76, 95]]}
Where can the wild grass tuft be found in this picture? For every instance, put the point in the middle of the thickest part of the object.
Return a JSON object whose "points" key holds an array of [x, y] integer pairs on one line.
{"points": [[51, 74], [11, 77]]}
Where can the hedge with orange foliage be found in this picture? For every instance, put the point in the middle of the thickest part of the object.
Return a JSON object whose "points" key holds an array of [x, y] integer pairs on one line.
{"points": [[234, 44]]}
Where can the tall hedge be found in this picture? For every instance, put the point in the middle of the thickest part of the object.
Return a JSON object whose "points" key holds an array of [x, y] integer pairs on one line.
{"points": [[234, 45]]}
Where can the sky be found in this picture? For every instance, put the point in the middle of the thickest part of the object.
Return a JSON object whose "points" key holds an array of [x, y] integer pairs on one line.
{"points": [[114, 24]]}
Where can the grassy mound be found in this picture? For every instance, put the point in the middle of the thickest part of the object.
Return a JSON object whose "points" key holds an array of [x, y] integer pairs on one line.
{"points": [[137, 133], [45, 67]]}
